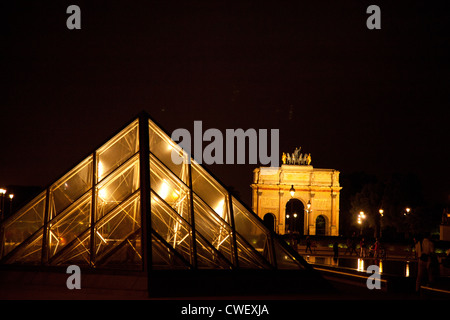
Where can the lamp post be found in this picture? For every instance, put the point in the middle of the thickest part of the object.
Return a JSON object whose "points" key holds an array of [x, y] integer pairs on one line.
{"points": [[361, 217], [2, 204], [381, 212], [292, 224], [308, 211], [407, 221], [11, 196]]}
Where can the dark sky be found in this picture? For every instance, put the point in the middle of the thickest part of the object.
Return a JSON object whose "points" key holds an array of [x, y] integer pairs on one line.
{"points": [[357, 99]]}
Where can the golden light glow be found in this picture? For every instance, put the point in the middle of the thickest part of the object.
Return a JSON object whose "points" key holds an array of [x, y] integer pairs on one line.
{"points": [[360, 265], [292, 191], [101, 170], [11, 196], [219, 208], [2, 191], [164, 190], [103, 194], [407, 269], [361, 216]]}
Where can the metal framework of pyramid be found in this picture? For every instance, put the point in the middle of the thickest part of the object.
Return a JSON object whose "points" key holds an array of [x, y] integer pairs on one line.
{"points": [[129, 206]]}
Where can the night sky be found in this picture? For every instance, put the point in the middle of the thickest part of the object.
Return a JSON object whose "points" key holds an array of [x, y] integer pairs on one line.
{"points": [[356, 99]]}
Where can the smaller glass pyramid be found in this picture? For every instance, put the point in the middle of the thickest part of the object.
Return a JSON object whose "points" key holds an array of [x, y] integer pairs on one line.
{"points": [[127, 204]]}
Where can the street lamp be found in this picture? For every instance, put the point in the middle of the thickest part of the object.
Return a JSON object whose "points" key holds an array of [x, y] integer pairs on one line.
{"points": [[361, 217], [11, 196], [308, 211], [2, 204], [381, 211], [291, 224]]}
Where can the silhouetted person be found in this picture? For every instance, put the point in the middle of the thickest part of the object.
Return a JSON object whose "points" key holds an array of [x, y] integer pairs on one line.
{"points": [[336, 249], [363, 246], [308, 244], [424, 250], [376, 249]]}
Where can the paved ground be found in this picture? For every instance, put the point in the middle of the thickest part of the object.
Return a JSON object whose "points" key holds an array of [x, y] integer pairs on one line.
{"points": [[346, 288]]}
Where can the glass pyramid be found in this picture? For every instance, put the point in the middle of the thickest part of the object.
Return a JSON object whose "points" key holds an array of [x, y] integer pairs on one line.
{"points": [[129, 206]]}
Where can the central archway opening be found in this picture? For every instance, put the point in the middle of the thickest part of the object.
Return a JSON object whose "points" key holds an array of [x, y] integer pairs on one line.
{"points": [[294, 217], [320, 226], [269, 221]]}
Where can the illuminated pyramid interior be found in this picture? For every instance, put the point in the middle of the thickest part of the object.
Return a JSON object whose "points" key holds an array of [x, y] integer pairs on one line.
{"points": [[129, 206]]}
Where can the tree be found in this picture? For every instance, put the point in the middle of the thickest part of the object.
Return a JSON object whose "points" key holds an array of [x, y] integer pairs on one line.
{"points": [[352, 184], [368, 200], [402, 191], [394, 195]]}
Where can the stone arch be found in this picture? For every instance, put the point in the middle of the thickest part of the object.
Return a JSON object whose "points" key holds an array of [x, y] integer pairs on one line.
{"points": [[295, 216], [321, 225], [269, 221]]}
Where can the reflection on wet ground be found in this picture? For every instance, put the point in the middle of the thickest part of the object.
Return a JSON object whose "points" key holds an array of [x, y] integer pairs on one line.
{"points": [[387, 267]]}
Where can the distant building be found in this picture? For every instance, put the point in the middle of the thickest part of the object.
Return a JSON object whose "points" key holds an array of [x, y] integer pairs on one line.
{"points": [[311, 209]]}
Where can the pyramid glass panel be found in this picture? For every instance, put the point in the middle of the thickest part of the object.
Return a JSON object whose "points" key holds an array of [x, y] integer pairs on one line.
{"points": [[248, 257], [165, 257], [68, 225], [117, 187], [175, 230], [70, 187], [126, 256], [29, 252], [164, 148], [252, 230], [76, 252], [23, 224], [119, 224], [285, 260], [169, 187], [117, 150], [208, 257], [213, 228], [211, 192]]}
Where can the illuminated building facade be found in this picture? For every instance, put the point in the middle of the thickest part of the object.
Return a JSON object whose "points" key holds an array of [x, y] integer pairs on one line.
{"points": [[297, 199]]}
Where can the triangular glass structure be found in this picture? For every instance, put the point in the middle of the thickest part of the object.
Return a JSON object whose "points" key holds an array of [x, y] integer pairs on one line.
{"points": [[128, 205]]}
